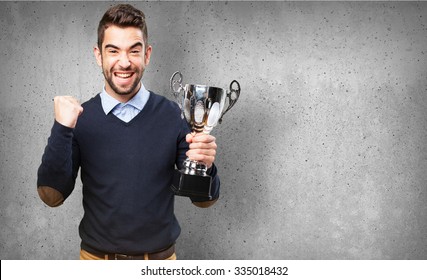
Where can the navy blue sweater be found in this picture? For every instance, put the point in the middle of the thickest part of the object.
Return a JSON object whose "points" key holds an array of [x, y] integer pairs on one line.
{"points": [[126, 171]]}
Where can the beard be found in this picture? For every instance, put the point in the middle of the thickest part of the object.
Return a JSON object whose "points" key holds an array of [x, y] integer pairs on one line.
{"points": [[120, 90], [123, 90]]}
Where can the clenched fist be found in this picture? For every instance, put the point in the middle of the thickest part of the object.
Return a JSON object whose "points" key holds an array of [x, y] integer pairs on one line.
{"points": [[67, 110]]}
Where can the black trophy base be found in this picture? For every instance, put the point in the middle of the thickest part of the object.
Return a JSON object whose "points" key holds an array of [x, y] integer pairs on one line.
{"points": [[192, 185]]}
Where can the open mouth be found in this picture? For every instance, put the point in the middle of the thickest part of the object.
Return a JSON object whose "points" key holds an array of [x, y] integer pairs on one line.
{"points": [[123, 75]]}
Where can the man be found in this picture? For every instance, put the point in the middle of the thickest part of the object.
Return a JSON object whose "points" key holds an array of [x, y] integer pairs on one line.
{"points": [[126, 141]]}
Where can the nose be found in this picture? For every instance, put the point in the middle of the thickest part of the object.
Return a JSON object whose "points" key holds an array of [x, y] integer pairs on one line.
{"points": [[124, 61]]}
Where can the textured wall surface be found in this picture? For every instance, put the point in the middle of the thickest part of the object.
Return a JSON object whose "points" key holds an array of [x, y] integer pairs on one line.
{"points": [[323, 157]]}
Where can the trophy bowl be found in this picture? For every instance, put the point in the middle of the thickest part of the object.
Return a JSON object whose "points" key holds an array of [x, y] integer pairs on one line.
{"points": [[203, 108]]}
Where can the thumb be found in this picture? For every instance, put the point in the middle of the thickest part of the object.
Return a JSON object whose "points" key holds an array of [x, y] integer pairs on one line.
{"points": [[189, 137]]}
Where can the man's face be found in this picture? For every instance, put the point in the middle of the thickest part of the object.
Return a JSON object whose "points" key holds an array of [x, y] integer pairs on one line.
{"points": [[123, 59]]}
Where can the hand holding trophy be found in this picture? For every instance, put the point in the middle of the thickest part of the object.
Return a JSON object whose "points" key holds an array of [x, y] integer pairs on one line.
{"points": [[203, 108]]}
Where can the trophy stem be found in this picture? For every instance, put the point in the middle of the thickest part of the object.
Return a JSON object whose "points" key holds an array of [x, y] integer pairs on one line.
{"points": [[192, 167], [207, 129]]}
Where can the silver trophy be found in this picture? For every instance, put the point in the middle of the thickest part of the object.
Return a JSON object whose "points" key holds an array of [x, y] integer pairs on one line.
{"points": [[203, 108]]}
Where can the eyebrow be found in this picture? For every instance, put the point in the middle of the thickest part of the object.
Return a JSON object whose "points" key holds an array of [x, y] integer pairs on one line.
{"points": [[138, 44]]}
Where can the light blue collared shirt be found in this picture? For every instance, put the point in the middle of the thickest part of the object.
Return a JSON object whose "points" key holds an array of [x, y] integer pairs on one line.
{"points": [[125, 111]]}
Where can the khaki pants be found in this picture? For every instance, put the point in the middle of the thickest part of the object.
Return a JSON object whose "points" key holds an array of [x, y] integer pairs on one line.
{"points": [[85, 255]]}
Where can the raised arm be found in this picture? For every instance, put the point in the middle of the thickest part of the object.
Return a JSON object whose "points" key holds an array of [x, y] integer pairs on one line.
{"points": [[60, 162]]}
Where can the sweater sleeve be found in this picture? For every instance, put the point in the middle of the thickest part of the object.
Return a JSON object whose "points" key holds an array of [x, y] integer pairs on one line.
{"points": [[60, 161]]}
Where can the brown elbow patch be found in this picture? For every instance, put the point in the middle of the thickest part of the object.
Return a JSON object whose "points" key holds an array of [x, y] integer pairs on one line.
{"points": [[205, 204], [50, 196]]}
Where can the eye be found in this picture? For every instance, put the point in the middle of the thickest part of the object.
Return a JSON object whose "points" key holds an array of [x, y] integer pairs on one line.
{"points": [[135, 51]]}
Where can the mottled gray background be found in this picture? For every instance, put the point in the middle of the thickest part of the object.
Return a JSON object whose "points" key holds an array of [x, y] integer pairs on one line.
{"points": [[323, 157]]}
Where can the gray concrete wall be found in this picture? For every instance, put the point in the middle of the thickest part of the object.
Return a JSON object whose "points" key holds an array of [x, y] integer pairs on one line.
{"points": [[323, 157]]}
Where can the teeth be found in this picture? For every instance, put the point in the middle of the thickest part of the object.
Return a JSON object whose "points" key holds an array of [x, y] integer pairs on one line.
{"points": [[123, 75]]}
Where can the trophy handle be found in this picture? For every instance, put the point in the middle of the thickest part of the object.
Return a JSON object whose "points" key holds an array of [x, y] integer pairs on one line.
{"points": [[232, 96], [176, 86]]}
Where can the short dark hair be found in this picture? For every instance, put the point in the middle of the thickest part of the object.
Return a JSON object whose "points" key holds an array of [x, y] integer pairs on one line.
{"points": [[122, 15]]}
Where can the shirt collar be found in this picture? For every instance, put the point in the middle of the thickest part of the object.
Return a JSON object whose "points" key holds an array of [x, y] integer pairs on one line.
{"points": [[138, 101]]}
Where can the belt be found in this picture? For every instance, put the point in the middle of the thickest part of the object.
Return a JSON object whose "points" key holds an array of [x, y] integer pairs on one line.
{"points": [[159, 255]]}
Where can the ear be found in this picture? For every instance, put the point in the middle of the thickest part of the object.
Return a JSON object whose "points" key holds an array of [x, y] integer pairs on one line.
{"points": [[148, 51], [98, 55]]}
